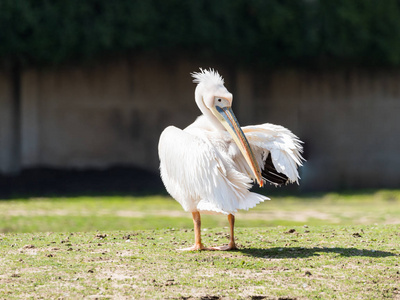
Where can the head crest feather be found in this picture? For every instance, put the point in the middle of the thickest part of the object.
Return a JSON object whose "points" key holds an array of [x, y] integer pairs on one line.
{"points": [[207, 77]]}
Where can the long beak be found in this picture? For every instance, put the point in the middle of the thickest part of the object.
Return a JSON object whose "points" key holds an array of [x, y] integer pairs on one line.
{"points": [[226, 116]]}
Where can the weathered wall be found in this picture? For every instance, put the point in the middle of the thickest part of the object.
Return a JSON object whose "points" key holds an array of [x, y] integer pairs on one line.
{"points": [[100, 116], [112, 114], [349, 121], [9, 129]]}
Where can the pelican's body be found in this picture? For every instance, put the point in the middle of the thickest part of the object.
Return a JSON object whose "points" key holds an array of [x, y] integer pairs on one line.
{"points": [[209, 166]]}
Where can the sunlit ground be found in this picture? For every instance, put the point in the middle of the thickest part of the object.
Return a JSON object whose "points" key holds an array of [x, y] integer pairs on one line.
{"points": [[76, 214]]}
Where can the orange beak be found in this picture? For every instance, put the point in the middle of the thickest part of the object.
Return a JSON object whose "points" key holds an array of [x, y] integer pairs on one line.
{"points": [[226, 116]]}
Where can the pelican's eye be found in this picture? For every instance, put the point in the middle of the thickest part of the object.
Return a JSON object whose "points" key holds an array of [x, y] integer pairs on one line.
{"points": [[221, 102]]}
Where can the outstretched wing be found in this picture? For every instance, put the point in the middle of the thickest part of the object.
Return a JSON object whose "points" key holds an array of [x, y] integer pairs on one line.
{"points": [[198, 175], [277, 150]]}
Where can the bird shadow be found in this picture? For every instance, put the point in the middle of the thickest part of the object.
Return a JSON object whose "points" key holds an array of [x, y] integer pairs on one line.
{"points": [[303, 252]]}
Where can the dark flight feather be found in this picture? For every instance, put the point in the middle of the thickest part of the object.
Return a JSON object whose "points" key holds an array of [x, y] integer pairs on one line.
{"points": [[271, 175]]}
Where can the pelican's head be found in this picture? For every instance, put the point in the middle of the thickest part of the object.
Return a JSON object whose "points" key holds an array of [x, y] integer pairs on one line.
{"points": [[215, 101]]}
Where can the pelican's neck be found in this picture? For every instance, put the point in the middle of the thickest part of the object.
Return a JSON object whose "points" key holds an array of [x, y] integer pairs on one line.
{"points": [[207, 113]]}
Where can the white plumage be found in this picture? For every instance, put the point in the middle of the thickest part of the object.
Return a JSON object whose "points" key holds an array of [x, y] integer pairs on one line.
{"points": [[209, 166]]}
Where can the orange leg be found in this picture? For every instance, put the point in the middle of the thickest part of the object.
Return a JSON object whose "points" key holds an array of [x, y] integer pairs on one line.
{"points": [[197, 234], [231, 245]]}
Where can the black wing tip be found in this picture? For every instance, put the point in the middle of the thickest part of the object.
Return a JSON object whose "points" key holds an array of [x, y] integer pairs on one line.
{"points": [[271, 175]]}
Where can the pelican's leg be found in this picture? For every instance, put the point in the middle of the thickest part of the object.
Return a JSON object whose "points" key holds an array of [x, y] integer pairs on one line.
{"points": [[197, 234], [231, 245]]}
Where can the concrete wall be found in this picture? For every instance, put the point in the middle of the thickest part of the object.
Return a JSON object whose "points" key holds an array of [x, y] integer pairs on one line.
{"points": [[9, 126], [113, 113], [349, 121], [104, 115]]}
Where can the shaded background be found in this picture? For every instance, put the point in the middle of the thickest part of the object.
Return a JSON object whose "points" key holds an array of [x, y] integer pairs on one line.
{"points": [[86, 87]]}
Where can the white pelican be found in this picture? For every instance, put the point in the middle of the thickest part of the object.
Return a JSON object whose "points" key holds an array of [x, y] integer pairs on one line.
{"points": [[210, 166]]}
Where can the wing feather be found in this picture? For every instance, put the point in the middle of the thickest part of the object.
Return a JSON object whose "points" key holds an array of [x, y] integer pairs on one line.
{"points": [[200, 176], [278, 150]]}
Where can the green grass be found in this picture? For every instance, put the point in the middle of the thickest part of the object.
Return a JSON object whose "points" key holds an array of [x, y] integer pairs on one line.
{"points": [[343, 246], [75, 214], [321, 262]]}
